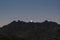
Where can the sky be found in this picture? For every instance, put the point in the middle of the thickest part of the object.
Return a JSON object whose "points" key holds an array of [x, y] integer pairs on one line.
{"points": [[26, 10]]}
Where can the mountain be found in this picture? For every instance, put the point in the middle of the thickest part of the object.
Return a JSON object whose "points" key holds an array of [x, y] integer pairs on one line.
{"points": [[20, 30]]}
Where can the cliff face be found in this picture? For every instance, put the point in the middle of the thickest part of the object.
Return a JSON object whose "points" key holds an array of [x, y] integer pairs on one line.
{"points": [[31, 31]]}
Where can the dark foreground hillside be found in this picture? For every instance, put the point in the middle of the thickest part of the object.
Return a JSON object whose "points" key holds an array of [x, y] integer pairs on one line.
{"points": [[20, 30]]}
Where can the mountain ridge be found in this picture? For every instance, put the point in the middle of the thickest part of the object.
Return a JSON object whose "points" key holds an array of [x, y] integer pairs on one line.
{"points": [[21, 30]]}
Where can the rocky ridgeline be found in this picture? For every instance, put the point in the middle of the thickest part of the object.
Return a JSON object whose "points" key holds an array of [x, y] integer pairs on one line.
{"points": [[21, 30]]}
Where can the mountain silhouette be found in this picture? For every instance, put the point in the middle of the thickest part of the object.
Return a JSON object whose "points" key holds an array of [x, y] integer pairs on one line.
{"points": [[20, 30]]}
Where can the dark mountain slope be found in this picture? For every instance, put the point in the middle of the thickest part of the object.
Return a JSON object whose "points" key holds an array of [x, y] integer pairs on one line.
{"points": [[31, 30]]}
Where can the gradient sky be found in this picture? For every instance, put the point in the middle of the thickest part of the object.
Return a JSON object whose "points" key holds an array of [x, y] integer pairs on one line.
{"points": [[36, 10]]}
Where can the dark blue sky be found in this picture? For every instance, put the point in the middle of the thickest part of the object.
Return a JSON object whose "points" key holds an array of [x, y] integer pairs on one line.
{"points": [[36, 10]]}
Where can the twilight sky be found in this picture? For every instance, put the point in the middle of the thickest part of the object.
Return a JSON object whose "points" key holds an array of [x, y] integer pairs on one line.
{"points": [[36, 10]]}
